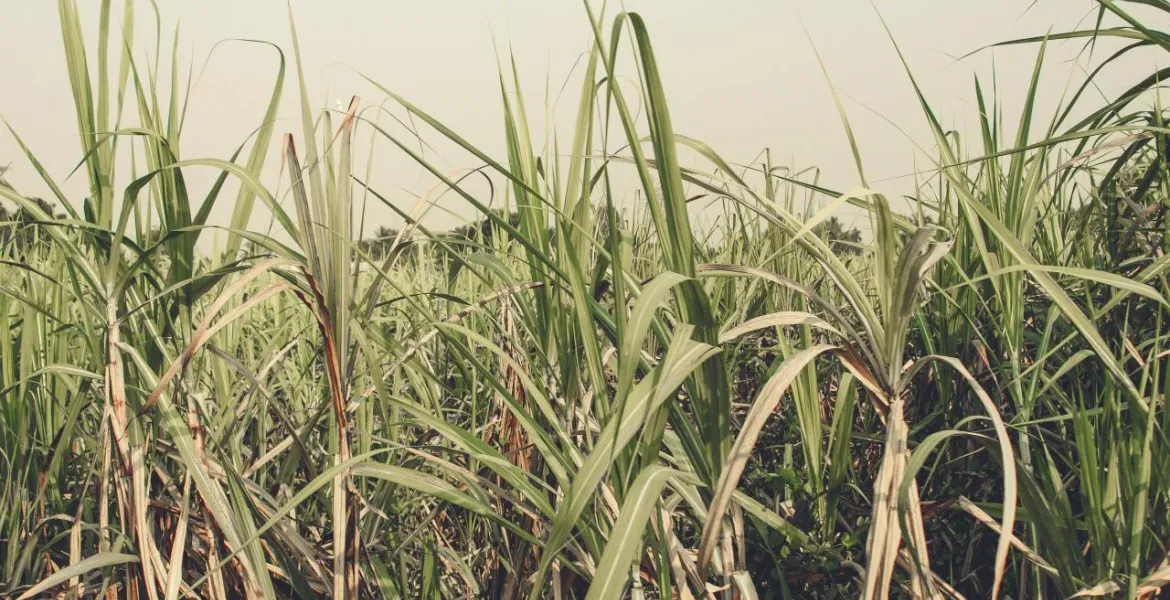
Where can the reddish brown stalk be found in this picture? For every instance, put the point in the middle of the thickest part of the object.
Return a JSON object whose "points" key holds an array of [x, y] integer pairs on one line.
{"points": [[519, 450], [337, 394], [215, 584], [131, 508]]}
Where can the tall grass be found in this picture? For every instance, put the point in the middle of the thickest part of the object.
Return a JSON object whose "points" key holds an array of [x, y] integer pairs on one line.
{"points": [[578, 398]]}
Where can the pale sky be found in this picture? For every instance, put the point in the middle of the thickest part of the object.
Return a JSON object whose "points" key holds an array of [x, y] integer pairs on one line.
{"points": [[739, 74]]}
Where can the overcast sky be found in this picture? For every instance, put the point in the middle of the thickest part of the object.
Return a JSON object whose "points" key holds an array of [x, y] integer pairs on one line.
{"points": [[739, 74]]}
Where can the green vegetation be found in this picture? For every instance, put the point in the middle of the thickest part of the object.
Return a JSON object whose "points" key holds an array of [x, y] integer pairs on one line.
{"points": [[575, 398]]}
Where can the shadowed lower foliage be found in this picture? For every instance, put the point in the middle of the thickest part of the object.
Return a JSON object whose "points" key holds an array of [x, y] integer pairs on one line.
{"points": [[583, 392]]}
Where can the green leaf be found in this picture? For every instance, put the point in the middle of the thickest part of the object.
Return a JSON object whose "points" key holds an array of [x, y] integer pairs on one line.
{"points": [[97, 561], [625, 539]]}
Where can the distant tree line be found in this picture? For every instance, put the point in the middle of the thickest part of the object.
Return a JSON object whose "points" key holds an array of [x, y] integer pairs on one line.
{"points": [[17, 233], [475, 234], [842, 239], [16, 226]]}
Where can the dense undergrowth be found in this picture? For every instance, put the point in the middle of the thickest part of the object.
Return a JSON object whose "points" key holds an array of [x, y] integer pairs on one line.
{"points": [[580, 398]]}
